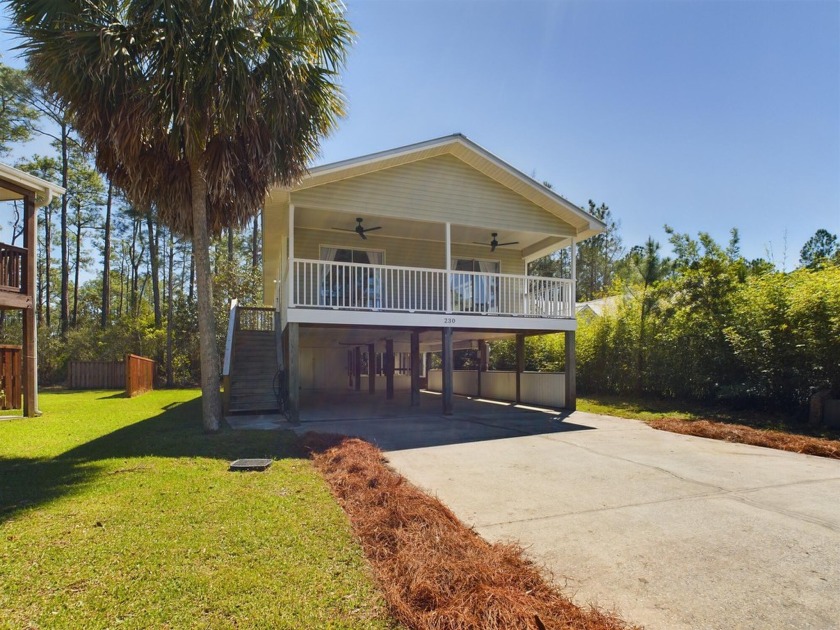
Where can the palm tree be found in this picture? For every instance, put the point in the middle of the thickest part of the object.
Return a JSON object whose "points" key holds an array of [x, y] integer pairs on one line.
{"points": [[196, 108]]}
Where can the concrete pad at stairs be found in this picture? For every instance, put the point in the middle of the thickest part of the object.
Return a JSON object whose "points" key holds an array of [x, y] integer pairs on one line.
{"points": [[671, 531]]}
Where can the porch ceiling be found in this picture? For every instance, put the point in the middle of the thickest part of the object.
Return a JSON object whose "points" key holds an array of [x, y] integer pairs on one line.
{"points": [[316, 219]]}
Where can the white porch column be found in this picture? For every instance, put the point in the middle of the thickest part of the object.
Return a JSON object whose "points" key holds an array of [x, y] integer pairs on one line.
{"points": [[448, 267], [447, 376], [291, 262]]}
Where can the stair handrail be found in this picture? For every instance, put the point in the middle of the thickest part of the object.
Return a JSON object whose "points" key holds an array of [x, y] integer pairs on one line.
{"points": [[234, 315]]}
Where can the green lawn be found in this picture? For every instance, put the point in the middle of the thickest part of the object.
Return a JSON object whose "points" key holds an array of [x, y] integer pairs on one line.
{"points": [[648, 409], [639, 408], [117, 511]]}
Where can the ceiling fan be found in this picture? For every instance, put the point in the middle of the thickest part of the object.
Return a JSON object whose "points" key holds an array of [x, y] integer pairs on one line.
{"points": [[359, 229], [494, 243]]}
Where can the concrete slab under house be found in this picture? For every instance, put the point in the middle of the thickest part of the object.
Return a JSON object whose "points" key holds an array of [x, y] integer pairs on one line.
{"points": [[373, 263]]}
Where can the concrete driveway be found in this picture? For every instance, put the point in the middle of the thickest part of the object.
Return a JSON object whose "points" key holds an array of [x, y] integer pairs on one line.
{"points": [[670, 531]]}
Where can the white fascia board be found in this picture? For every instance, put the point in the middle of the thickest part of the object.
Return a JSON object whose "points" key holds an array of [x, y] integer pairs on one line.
{"points": [[544, 248], [30, 182], [427, 320]]}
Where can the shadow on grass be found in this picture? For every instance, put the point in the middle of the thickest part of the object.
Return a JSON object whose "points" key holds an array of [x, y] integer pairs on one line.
{"points": [[119, 394], [177, 432]]}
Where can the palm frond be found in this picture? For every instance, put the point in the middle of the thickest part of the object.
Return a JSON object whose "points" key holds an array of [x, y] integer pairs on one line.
{"points": [[244, 88]]}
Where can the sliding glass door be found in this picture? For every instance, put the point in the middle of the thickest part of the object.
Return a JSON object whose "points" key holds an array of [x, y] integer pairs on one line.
{"points": [[348, 285], [475, 291]]}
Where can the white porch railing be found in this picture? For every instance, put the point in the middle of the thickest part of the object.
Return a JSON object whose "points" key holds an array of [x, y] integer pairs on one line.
{"points": [[323, 284]]}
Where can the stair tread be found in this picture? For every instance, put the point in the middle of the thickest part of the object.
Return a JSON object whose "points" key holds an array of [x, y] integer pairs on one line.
{"points": [[253, 372]]}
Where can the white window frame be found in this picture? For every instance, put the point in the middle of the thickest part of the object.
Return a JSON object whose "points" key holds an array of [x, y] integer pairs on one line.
{"points": [[492, 291], [321, 246]]}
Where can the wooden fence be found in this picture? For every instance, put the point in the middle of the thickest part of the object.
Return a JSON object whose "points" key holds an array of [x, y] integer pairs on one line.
{"points": [[139, 374], [135, 375], [96, 375], [11, 377]]}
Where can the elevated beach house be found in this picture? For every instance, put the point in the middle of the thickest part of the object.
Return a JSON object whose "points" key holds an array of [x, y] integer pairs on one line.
{"points": [[373, 262]]}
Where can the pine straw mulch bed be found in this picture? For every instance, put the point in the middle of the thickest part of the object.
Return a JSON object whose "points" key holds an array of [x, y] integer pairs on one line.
{"points": [[748, 435], [435, 572]]}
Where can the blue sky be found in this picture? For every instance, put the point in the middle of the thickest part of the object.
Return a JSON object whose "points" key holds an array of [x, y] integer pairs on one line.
{"points": [[705, 115]]}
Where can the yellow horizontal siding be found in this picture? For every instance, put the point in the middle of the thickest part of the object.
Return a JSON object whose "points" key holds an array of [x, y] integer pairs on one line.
{"points": [[275, 227], [403, 252], [441, 189]]}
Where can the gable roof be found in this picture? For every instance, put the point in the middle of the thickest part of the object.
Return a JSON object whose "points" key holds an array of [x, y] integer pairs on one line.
{"points": [[459, 146], [600, 307]]}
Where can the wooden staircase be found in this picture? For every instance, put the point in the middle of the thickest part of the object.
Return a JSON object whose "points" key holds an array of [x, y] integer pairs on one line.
{"points": [[253, 371], [253, 365]]}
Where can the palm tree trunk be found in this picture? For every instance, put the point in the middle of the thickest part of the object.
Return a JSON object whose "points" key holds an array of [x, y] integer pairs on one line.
{"points": [[211, 402], [106, 261], [230, 244]]}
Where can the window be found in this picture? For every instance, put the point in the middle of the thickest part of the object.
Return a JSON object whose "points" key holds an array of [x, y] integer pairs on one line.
{"points": [[352, 255], [347, 285], [473, 291]]}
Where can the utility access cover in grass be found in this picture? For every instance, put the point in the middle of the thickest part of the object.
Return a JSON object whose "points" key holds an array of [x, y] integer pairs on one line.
{"points": [[244, 465]]}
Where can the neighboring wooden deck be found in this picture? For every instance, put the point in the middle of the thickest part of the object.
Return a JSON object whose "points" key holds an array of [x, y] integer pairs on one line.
{"points": [[13, 281]]}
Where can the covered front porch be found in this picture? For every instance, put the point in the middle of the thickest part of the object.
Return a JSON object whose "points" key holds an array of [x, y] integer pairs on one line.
{"points": [[408, 270]]}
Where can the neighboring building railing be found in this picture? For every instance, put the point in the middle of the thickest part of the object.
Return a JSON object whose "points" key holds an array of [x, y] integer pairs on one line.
{"points": [[12, 264], [324, 284]]}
